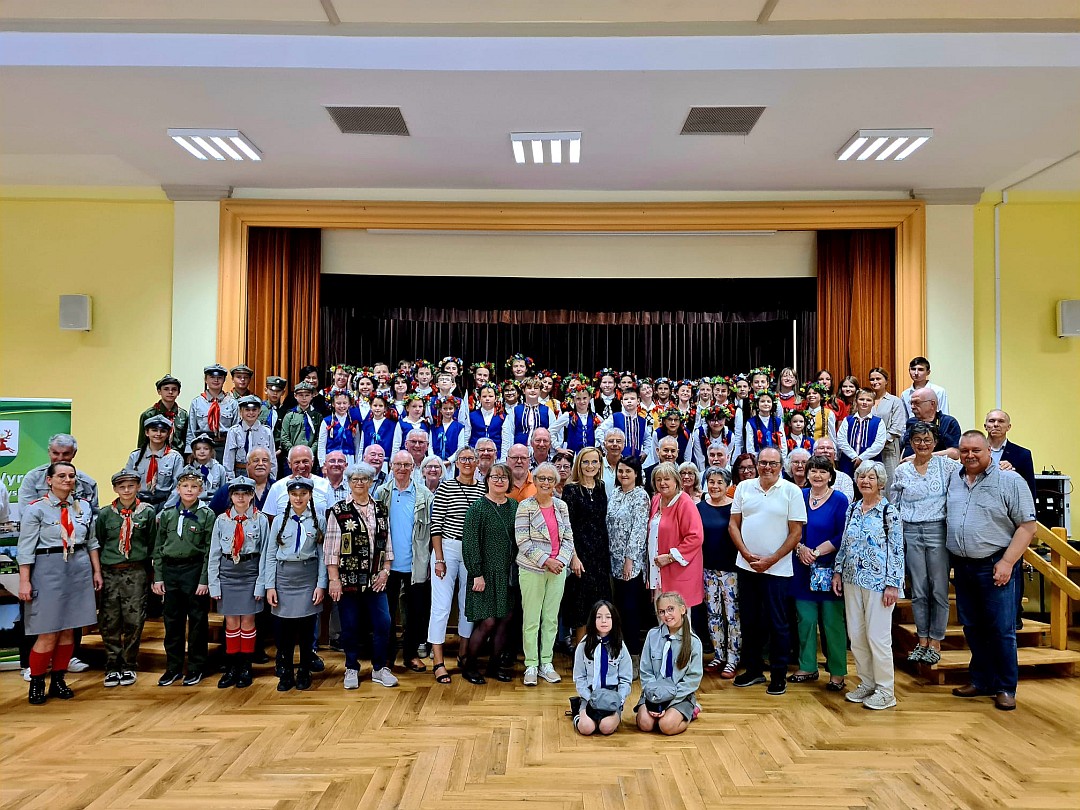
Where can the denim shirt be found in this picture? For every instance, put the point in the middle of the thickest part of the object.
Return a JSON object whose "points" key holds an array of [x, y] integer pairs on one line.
{"points": [[870, 556]]}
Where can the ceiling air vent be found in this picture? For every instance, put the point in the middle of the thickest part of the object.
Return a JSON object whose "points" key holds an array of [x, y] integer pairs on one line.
{"points": [[369, 120], [721, 120]]}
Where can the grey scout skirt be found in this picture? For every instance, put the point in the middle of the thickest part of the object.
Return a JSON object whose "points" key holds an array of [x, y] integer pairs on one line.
{"points": [[238, 587], [296, 581], [63, 593]]}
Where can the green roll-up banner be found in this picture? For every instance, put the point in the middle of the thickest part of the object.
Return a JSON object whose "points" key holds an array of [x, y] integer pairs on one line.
{"points": [[25, 428]]}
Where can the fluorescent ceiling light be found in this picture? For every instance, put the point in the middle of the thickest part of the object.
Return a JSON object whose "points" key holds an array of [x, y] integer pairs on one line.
{"points": [[232, 142], [536, 141], [888, 141]]}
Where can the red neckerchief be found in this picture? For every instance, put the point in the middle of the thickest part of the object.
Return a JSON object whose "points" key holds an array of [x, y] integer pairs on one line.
{"points": [[128, 526], [213, 413]]}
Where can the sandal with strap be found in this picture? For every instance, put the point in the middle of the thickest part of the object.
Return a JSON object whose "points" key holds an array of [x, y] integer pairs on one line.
{"points": [[930, 656], [445, 677], [416, 665], [714, 665], [803, 677]]}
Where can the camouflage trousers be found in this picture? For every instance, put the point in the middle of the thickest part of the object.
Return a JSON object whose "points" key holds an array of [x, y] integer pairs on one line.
{"points": [[121, 614]]}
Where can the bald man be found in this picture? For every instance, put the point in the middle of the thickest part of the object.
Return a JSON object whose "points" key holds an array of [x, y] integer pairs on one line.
{"points": [[1006, 454]]}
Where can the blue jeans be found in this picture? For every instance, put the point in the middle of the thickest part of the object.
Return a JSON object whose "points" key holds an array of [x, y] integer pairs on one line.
{"points": [[988, 613], [378, 611], [928, 571]]}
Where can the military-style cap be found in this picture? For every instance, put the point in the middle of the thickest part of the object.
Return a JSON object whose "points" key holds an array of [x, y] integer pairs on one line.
{"points": [[158, 421], [300, 483], [125, 475], [202, 438], [250, 399], [216, 369], [241, 482], [303, 386], [241, 369], [190, 471], [277, 383], [168, 379]]}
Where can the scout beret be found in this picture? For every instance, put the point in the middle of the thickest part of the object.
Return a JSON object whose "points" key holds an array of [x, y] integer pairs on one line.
{"points": [[277, 383], [241, 482], [250, 399], [241, 369], [303, 386], [216, 369], [300, 483], [125, 475], [202, 438], [168, 379], [190, 471], [158, 421]]}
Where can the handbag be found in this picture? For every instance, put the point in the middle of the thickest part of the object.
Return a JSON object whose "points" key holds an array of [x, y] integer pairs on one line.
{"points": [[820, 578], [606, 700]]}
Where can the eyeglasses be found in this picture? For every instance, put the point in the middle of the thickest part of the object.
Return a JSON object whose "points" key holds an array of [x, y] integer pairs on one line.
{"points": [[467, 460], [518, 458], [543, 479], [768, 464], [402, 465], [498, 478], [668, 611]]}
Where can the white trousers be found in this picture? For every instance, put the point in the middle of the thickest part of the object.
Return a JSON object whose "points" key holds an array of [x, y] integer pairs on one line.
{"points": [[442, 593], [869, 627]]}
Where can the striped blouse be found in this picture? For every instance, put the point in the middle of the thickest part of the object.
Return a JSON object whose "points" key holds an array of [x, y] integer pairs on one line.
{"points": [[452, 500]]}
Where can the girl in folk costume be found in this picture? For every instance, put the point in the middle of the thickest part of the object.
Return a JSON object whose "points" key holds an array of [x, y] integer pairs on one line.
{"points": [[645, 392], [238, 542], [400, 388], [295, 577], [671, 424], [704, 399], [797, 434], [520, 366], [662, 393], [765, 428], [607, 398], [511, 395], [787, 389], [486, 419], [670, 670], [340, 376], [579, 420], [449, 435], [523, 418], [684, 395], [444, 389], [820, 421], [382, 378], [549, 390], [627, 380], [603, 672], [453, 367], [828, 394], [423, 376], [713, 430], [721, 390], [379, 427], [364, 385], [339, 431], [862, 436], [412, 420], [844, 404], [483, 373]]}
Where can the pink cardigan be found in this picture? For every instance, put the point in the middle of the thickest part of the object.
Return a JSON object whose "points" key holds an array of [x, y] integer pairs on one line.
{"points": [[680, 529]]}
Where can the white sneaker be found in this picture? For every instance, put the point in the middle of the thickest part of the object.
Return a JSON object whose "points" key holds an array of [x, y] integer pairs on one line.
{"points": [[112, 679], [127, 677], [352, 679], [26, 674], [384, 676], [530, 676], [548, 673], [76, 665], [881, 699], [860, 693]]}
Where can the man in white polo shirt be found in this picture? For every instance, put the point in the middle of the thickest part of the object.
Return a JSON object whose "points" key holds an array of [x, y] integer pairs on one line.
{"points": [[767, 518]]}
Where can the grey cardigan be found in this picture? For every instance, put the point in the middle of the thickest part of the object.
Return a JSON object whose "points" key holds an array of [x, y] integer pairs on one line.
{"points": [[421, 533]]}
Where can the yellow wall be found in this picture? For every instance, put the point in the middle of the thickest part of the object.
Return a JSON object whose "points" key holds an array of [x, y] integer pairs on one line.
{"points": [[1040, 264], [119, 252]]}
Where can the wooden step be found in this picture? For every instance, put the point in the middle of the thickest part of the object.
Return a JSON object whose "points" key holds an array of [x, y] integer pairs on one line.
{"points": [[1031, 635], [956, 661]]}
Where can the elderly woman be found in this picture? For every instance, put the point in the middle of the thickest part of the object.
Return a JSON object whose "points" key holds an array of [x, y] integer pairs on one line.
{"points": [[432, 472], [545, 545], [869, 574], [628, 527], [675, 538], [795, 467], [811, 583], [59, 570], [564, 463], [720, 574], [358, 557], [690, 480], [919, 491]]}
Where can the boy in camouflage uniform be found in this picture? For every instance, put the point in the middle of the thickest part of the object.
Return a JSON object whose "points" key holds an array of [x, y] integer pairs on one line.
{"points": [[168, 388]]}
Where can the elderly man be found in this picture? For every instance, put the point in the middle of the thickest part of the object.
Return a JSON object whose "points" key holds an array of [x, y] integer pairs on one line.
{"points": [[990, 519], [667, 449], [826, 448], [418, 445], [62, 447], [409, 508], [539, 447], [486, 453], [301, 461], [924, 405], [334, 469], [375, 455], [614, 444], [1008, 454], [767, 519], [259, 469], [521, 481]]}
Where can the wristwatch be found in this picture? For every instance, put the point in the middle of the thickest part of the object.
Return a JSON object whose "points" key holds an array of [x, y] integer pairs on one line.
{"points": [[814, 551]]}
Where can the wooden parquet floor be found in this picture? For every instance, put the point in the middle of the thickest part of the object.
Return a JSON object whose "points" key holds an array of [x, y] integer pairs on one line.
{"points": [[498, 746]]}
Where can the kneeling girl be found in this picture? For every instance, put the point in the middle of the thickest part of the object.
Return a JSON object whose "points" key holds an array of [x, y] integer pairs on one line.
{"points": [[603, 672], [670, 670]]}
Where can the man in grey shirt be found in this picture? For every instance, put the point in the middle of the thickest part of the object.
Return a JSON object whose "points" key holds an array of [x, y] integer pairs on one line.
{"points": [[62, 447], [991, 521]]}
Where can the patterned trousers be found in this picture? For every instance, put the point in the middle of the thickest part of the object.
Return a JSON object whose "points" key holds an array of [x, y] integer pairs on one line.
{"points": [[122, 614], [722, 603]]}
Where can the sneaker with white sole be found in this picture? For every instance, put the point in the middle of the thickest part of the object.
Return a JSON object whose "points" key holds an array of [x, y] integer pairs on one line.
{"points": [[384, 677], [860, 693], [112, 679], [26, 674], [352, 679], [530, 676], [76, 665], [548, 673], [128, 677], [881, 699]]}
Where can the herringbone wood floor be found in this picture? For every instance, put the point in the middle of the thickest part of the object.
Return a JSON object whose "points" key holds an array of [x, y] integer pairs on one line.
{"points": [[464, 747]]}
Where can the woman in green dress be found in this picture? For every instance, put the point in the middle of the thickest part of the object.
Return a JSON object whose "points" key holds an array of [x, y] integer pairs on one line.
{"points": [[488, 550]]}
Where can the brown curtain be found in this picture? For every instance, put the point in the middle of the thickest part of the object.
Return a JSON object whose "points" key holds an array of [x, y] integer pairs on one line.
{"points": [[283, 301], [855, 312]]}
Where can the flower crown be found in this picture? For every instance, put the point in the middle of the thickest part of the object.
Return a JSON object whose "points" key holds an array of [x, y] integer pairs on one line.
{"points": [[672, 411], [789, 415], [420, 363], [738, 378], [715, 411], [720, 379], [440, 401], [629, 374], [765, 393], [677, 384], [547, 372], [334, 369], [363, 371], [768, 371], [577, 379], [482, 364], [646, 381], [820, 387], [445, 360], [606, 372], [530, 364], [410, 398], [661, 381]]}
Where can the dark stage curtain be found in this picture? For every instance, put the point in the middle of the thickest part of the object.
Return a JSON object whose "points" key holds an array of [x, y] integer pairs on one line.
{"points": [[731, 324]]}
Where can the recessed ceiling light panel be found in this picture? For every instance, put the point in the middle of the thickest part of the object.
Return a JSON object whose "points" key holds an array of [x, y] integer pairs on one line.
{"points": [[216, 144], [883, 144], [554, 143]]}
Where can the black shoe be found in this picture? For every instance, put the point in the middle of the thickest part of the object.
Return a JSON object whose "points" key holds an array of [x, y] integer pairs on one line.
{"points": [[58, 688], [749, 679], [229, 678], [316, 664], [243, 676], [260, 657], [777, 686], [335, 645], [37, 690], [170, 677], [303, 679], [473, 676], [499, 672], [193, 678], [285, 681]]}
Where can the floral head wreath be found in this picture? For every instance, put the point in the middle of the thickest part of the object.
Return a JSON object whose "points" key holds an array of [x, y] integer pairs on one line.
{"points": [[547, 372], [789, 415], [340, 367], [410, 398], [445, 360], [768, 371], [677, 384], [629, 374], [820, 387], [530, 364], [738, 378], [667, 412], [574, 388], [661, 381], [720, 379], [645, 381], [510, 384], [606, 372], [725, 411], [440, 401], [482, 364], [765, 393], [420, 363], [362, 372], [575, 379]]}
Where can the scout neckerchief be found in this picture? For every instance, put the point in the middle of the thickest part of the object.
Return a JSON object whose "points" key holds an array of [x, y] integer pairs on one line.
{"points": [[184, 513], [238, 531], [669, 658], [601, 656], [307, 422], [213, 413], [127, 526], [152, 468], [67, 528]]}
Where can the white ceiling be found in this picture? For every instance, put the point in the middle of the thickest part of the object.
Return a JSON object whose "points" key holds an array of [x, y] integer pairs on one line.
{"points": [[93, 110]]}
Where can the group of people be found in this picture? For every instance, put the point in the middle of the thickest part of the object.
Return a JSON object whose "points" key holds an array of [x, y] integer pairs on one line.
{"points": [[717, 514]]}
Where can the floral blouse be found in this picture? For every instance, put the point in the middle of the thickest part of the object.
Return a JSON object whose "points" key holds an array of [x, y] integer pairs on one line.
{"points": [[871, 553], [628, 526]]}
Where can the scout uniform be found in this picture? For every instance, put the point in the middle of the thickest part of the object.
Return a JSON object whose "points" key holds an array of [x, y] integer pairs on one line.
{"points": [[236, 393], [177, 415], [273, 416], [126, 538], [180, 560], [294, 567], [33, 488], [241, 439], [213, 475], [300, 427], [158, 470], [212, 415]]}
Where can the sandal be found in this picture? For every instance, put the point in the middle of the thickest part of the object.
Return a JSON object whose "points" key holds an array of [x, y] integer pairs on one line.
{"points": [[930, 656], [835, 686], [917, 655], [445, 677], [729, 670], [797, 677], [416, 665], [714, 665]]}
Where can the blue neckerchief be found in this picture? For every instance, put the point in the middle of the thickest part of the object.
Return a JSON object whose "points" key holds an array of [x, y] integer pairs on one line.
{"points": [[603, 661]]}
